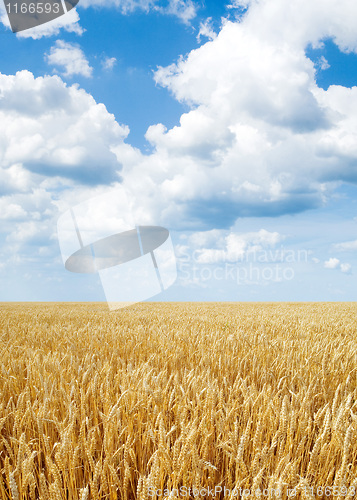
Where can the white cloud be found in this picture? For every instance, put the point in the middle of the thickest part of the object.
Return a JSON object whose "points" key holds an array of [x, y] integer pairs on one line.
{"points": [[346, 246], [332, 263], [323, 63], [125, 6], [70, 57], [108, 63], [185, 10], [50, 129], [346, 268], [14, 178], [56, 147], [26, 231], [238, 4], [302, 22], [10, 211], [214, 238], [232, 247], [260, 137], [206, 30]]}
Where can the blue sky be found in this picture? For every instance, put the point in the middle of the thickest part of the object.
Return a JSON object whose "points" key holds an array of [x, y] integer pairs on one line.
{"points": [[233, 125]]}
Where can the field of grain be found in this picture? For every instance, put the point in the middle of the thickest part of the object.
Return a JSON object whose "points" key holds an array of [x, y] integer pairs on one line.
{"points": [[205, 400]]}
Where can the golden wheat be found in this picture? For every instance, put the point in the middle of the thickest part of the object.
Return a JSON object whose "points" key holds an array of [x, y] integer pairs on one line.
{"points": [[155, 397]]}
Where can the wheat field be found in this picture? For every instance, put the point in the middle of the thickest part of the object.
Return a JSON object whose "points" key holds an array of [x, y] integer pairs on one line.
{"points": [[187, 400]]}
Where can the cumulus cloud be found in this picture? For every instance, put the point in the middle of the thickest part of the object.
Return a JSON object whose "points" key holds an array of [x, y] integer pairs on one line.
{"points": [[215, 246], [302, 22], [27, 223], [70, 57], [56, 149], [260, 138], [206, 30], [346, 268], [51, 129], [238, 4], [323, 63], [14, 178], [108, 63], [184, 10], [10, 211], [332, 263]]}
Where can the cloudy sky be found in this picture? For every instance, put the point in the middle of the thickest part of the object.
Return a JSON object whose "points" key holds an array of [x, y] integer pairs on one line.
{"points": [[234, 125]]}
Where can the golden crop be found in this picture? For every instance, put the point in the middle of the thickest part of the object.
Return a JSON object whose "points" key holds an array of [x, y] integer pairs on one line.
{"points": [[99, 405]]}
